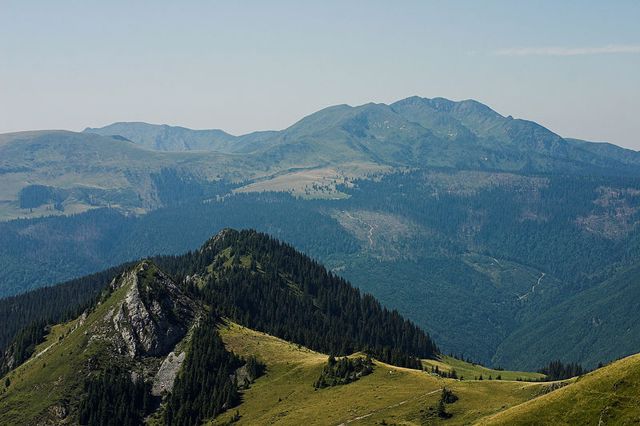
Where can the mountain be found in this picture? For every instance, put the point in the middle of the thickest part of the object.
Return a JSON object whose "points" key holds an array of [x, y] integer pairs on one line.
{"points": [[60, 172], [169, 138], [240, 331], [601, 316], [148, 325], [453, 214], [54, 172]]}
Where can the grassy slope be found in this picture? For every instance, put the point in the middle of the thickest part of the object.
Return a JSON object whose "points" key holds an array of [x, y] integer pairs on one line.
{"points": [[51, 376], [470, 371], [396, 395], [286, 395], [606, 396]]}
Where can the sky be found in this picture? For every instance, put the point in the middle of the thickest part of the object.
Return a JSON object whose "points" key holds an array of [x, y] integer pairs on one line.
{"points": [[242, 66]]}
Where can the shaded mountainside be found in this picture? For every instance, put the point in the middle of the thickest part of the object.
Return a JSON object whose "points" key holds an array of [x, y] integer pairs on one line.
{"points": [[145, 321], [441, 246], [602, 316]]}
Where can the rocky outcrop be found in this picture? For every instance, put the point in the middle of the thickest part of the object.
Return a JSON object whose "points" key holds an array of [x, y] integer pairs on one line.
{"points": [[166, 375], [154, 315]]}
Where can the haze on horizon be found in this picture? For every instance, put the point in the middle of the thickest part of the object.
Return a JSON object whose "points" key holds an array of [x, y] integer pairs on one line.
{"points": [[243, 66]]}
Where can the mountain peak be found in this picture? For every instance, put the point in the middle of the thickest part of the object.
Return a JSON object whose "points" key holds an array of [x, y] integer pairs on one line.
{"points": [[152, 314], [163, 137]]}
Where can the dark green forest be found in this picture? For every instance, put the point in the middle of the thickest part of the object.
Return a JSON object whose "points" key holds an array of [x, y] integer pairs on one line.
{"points": [[529, 220], [343, 371], [112, 398], [206, 385], [557, 370], [280, 291]]}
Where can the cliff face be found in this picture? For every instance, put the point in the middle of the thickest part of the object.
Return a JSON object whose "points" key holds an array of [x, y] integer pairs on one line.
{"points": [[154, 315]]}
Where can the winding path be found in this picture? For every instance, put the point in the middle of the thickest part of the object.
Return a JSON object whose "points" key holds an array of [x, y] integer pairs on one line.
{"points": [[371, 227], [533, 288], [355, 419]]}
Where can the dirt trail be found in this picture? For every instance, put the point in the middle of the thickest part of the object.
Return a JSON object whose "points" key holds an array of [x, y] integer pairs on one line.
{"points": [[364, 416], [533, 288], [371, 227]]}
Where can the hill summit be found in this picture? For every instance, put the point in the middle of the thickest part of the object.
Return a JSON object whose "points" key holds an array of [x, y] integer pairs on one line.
{"points": [[150, 339]]}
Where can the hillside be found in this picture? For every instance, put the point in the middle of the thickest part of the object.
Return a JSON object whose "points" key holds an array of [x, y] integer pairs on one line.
{"points": [[169, 138], [149, 325], [398, 396], [142, 317], [608, 395], [240, 330], [439, 246], [58, 172]]}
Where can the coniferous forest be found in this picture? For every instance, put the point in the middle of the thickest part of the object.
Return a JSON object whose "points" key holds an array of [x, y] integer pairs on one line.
{"points": [[343, 370], [251, 279], [557, 370], [114, 399], [279, 291], [207, 384], [285, 293]]}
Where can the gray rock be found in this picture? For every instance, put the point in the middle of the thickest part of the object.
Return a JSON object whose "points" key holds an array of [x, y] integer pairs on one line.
{"points": [[154, 315], [166, 375]]}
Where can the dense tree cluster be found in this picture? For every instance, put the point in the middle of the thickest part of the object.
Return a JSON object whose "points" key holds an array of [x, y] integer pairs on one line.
{"points": [[65, 247], [557, 370], [114, 399], [174, 187], [449, 374], [51, 305], [22, 346], [281, 292], [534, 224], [206, 385], [33, 196], [289, 295], [343, 370]]}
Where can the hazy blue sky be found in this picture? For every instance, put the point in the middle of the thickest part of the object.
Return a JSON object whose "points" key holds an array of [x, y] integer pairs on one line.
{"points": [[573, 66]]}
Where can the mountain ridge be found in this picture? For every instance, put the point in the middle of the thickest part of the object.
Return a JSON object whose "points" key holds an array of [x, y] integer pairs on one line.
{"points": [[145, 321], [74, 172], [151, 350]]}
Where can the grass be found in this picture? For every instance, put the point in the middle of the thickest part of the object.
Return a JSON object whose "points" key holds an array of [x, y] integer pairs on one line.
{"points": [[285, 394], [313, 183], [51, 374], [473, 371], [606, 396]]}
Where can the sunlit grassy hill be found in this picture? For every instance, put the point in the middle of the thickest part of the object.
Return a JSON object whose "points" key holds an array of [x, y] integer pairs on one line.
{"points": [[607, 396], [285, 395]]}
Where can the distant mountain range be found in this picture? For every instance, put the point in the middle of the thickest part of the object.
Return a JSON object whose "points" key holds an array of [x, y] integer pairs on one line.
{"points": [[75, 172], [411, 132]]}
